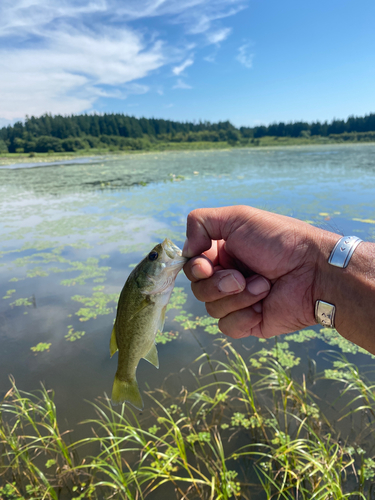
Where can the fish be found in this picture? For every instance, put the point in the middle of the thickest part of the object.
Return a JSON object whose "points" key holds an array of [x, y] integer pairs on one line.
{"points": [[140, 315]]}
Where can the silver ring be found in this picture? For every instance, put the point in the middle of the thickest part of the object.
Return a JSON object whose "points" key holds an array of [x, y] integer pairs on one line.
{"points": [[325, 313], [343, 251]]}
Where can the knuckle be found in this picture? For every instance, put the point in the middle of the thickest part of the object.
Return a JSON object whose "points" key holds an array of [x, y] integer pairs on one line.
{"points": [[212, 310], [226, 328], [194, 214]]}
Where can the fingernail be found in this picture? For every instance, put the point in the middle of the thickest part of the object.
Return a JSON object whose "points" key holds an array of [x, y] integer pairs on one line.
{"points": [[229, 284], [258, 285], [197, 272], [185, 249]]}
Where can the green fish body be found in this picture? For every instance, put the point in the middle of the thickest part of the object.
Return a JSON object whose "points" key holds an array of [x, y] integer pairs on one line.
{"points": [[140, 315]]}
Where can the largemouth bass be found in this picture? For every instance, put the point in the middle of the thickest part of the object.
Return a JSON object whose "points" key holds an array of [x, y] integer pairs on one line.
{"points": [[140, 315]]}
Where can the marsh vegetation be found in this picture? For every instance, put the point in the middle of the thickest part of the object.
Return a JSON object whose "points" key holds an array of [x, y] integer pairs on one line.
{"points": [[248, 429], [287, 419]]}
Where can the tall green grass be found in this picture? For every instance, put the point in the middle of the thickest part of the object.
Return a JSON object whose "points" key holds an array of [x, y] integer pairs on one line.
{"points": [[247, 430]]}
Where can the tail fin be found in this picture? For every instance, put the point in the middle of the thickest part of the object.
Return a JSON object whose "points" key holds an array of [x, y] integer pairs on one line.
{"points": [[126, 391]]}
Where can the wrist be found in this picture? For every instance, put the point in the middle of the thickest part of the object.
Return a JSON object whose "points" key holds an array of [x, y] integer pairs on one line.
{"points": [[323, 286], [350, 290]]}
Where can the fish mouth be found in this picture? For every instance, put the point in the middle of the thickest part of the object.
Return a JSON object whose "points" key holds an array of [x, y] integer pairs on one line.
{"points": [[173, 253]]}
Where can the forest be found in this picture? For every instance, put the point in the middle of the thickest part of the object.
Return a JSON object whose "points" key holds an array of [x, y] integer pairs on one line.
{"points": [[60, 134]]}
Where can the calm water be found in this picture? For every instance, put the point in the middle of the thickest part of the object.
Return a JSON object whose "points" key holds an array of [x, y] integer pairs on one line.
{"points": [[70, 234]]}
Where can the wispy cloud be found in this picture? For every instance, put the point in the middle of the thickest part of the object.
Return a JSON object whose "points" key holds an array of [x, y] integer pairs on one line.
{"points": [[177, 70], [245, 56], [197, 16], [211, 58], [58, 78], [181, 85], [218, 36], [61, 56]]}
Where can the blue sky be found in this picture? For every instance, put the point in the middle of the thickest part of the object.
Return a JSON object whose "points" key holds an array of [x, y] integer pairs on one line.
{"points": [[249, 61]]}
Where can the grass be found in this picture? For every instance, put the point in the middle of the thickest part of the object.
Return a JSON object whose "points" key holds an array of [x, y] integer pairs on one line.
{"points": [[244, 432], [160, 146]]}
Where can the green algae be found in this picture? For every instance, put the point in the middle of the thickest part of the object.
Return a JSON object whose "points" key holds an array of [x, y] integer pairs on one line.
{"points": [[9, 294], [331, 337], [279, 352], [87, 269], [36, 272], [23, 302], [209, 324], [96, 305], [166, 336], [42, 346], [172, 235], [135, 247], [72, 336], [178, 298]]}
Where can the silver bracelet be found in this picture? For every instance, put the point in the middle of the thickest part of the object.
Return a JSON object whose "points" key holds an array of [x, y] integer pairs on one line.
{"points": [[343, 251], [340, 257]]}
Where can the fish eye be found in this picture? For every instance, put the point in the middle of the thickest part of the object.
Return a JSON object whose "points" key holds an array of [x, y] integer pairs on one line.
{"points": [[153, 255]]}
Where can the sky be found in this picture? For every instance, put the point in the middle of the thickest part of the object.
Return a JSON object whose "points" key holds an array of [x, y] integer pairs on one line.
{"points": [[248, 61]]}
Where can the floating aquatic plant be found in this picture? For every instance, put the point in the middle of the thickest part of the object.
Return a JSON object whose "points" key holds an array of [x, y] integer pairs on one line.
{"points": [[72, 336], [23, 302], [42, 346]]}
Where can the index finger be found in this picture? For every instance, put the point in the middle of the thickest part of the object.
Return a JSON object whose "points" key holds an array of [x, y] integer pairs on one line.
{"points": [[207, 224]]}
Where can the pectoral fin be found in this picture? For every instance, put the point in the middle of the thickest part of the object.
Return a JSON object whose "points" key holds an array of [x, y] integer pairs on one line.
{"points": [[152, 356], [145, 303], [113, 343]]}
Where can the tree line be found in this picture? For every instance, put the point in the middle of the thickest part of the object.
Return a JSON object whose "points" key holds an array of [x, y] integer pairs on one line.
{"points": [[71, 133]]}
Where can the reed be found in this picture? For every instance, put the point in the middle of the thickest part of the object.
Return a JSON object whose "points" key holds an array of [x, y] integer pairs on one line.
{"points": [[248, 430]]}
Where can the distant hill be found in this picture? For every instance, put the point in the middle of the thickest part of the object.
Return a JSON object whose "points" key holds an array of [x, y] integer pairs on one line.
{"points": [[71, 133]]}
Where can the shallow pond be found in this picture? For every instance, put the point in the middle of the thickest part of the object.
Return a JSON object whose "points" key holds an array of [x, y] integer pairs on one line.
{"points": [[71, 233]]}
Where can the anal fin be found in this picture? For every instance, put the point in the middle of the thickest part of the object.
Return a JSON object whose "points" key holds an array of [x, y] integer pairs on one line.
{"points": [[152, 356], [113, 342]]}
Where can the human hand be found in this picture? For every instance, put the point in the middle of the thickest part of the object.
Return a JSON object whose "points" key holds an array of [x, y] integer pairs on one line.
{"points": [[256, 271]]}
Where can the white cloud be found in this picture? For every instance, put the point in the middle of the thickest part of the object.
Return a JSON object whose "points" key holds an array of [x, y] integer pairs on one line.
{"points": [[244, 56], [177, 70], [73, 70], [218, 36], [181, 85], [60, 56]]}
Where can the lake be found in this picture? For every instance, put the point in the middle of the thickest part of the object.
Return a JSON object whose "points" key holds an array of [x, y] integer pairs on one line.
{"points": [[72, 232]]}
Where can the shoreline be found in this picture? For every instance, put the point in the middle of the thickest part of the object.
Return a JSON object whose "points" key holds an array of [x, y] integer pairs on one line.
{"points": [[84, 156]]}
